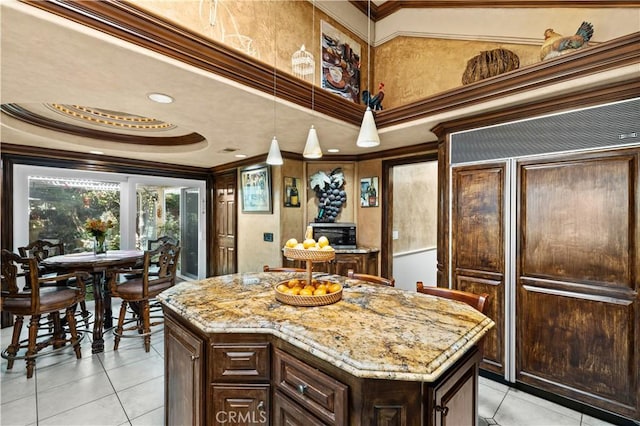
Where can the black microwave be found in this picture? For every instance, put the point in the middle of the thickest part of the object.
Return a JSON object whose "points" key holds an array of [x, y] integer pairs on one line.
{"points": [[340, 235]]}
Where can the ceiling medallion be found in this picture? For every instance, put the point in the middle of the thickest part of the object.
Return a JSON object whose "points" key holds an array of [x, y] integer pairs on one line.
{"points": [[102, 117]]}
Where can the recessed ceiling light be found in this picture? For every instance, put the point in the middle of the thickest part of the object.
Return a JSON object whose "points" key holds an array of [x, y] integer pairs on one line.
{"points": [[334, 150], [240, 155], [161, 98], [96, 152]]}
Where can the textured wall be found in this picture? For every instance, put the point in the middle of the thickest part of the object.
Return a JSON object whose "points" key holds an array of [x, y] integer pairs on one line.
{"points": [[370, 218], [415, 68], [271, 25], [415, 202]]}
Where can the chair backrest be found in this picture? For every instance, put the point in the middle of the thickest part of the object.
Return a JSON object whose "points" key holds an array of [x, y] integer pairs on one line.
{"points": [[13, 267], [154, 244], [41, 249], [391, 282], [477, 301], [165, 258], [266, 268]]}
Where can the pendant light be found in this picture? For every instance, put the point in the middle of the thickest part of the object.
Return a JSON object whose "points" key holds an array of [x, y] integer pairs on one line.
{"points": [[312, 148], [368, 136], [274, 157]]}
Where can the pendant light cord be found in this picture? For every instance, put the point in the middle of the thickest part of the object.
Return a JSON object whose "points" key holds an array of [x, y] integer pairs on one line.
{"points": [[275, 62], [369, 49], [313, 37]]}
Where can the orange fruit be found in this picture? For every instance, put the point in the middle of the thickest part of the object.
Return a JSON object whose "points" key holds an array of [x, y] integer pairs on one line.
{"points": [[291, 243], [320, 292], [282, 288], [306, 292], [293, 283], [334, 287], [296, 290]]}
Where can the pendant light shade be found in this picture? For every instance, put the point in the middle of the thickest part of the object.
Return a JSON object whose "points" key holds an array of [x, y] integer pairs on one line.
{"points": [[312, 148], [274, 158], [368, 136]]}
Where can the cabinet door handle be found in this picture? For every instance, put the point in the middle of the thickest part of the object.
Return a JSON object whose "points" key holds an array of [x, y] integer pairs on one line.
{"points": [[443, 410], [194, 357], [261, 406], [302, 388]]}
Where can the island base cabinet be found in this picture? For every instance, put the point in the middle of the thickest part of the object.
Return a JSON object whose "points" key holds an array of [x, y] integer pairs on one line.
{"points": [[183, 375], [239, 405], [288, 413], [452, 400]]}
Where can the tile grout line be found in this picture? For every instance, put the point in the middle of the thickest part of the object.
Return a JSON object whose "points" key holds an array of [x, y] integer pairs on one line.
{"points": [[114, 390]]}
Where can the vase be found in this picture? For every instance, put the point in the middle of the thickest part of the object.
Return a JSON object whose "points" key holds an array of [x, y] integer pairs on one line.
{"points": [[99, 245]]}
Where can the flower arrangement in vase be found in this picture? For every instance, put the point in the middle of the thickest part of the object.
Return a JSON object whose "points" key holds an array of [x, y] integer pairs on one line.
{"points": [[97, 228]]}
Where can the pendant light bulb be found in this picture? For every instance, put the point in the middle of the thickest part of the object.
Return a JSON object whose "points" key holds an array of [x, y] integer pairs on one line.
{"points": [[312, 148], [368, 136], [274, 158]]}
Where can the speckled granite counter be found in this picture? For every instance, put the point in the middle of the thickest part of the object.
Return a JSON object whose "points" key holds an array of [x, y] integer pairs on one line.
{"points": [[373, 332]]}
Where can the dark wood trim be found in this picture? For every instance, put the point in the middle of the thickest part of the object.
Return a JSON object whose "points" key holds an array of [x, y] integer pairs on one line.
{"points": [[130, 23], [23, 154], [22, 114], [386, 226], [610, 93], [134, 25], [391, 7], [614, 54]]}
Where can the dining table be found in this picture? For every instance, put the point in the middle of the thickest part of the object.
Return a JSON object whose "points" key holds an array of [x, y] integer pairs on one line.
{"points": [[96, 265]]}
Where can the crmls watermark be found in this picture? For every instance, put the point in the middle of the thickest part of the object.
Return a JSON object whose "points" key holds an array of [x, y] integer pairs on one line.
{"points": [[245, 418]]}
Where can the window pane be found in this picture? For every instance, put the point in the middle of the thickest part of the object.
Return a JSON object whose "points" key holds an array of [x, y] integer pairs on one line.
{"points": [[59, 208]]}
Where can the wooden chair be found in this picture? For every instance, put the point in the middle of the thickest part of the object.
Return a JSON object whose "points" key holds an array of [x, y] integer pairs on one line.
{"points": [[42, 249], [371, 278], [154, 244], [266, 268], [35, 302], [477, 301], [138, 291]]}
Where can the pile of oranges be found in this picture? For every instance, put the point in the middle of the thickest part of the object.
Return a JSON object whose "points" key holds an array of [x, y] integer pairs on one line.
{"points": [[309, 244], [316, 288]]}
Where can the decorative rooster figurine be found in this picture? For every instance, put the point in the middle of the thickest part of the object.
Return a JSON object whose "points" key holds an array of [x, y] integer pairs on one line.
{"points": [[555, 44], [375, 103]]}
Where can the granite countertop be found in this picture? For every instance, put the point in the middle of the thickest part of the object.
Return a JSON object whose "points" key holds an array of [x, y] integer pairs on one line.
{"points": [[373, 332], [357, 250]]}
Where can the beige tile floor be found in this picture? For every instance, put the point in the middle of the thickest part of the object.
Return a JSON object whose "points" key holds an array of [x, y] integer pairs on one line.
{"points": [[126, 387]]}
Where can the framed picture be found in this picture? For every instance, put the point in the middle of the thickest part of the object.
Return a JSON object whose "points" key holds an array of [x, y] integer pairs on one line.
{"points": [[369, 192], [340, 63], [255, 184], [291, 192]]}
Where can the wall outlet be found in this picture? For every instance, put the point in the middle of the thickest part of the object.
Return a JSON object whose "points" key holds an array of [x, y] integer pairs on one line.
{"points": [[394, 235], [268, 237]]}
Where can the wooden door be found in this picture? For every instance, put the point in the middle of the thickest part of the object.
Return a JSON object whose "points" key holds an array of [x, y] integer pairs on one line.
{"points": [[183, 376], [578, 312], [478, 235], [225, 224]]}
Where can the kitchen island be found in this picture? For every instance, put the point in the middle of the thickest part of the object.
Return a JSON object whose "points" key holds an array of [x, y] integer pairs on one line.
{"points": [[235, 355]]}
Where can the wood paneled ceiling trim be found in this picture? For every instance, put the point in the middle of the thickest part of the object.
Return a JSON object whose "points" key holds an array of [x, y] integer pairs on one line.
{"points": [[390, 7], [134, 25], [29, 117]]}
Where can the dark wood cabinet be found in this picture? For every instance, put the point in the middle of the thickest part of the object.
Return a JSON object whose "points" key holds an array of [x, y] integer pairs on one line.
{"points": [[364, 262], [261, 379], [239, 404], [570, 225], [183, 375]]}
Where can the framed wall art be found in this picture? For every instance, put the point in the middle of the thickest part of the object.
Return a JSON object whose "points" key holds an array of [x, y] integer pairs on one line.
{"points": [[255, 184], [291, 192], [369, 192], [340, 63]]}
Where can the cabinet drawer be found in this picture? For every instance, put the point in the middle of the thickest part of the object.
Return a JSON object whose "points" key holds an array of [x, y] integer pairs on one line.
{"points": [[239, 405], [287, 413], [310, 388], [240, 362]]}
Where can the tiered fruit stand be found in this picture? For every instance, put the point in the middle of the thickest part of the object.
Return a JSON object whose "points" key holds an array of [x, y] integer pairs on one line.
{"points": [[310, 257]]}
